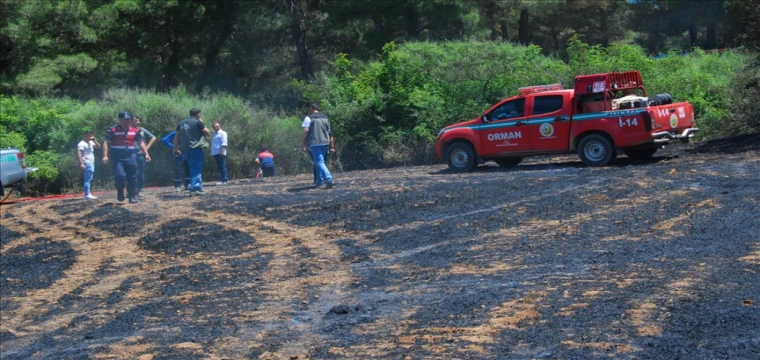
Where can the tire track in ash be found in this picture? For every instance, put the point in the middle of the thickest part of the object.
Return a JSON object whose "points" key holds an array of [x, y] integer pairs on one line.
{"points": [[384, 260], [285, 323], [90, 257]]}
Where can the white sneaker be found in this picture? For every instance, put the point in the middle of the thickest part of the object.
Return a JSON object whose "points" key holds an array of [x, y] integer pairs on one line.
{"points": [[90, 197]]}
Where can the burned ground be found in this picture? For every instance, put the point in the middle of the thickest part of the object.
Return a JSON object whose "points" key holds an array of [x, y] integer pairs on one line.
{"points": [[552, 259]]}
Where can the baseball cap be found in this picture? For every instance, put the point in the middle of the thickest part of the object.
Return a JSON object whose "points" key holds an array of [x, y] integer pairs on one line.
{"points": [[124, 115]]}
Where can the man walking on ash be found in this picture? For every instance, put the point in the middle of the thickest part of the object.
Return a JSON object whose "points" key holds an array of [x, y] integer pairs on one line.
{"points": [[317, 136], [190, 141], [219, 151], [124, 141]]}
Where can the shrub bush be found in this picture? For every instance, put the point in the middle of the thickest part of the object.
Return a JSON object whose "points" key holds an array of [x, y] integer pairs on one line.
{"points": [[385, 112]]}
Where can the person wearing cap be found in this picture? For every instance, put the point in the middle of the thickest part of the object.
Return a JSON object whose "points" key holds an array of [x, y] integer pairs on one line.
{"points": [[266, 162], [87, 160], [190, 141], [124, 142], [150, 138]]}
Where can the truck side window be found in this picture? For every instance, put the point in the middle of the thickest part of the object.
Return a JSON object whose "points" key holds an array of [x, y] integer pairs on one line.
{"points": [[508, 110], [547, 104]]}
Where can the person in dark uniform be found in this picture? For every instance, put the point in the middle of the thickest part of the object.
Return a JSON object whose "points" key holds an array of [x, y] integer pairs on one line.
{"points": [[124, 141], [266, 161]]}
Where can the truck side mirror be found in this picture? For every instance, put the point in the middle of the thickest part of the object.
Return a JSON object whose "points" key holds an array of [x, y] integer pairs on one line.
{"points": [[485, 118]]}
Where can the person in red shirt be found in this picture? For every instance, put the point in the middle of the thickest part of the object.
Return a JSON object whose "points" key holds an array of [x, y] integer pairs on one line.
{"points": [[266, 162]]}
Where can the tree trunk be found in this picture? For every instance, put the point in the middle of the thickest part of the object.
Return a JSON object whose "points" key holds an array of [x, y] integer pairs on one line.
{"points": [[555, 37], [603, 27], [504, 30], [172, 67], [712, 38], [299, 38], [523, 35], [490, 11], [412, 19], [692, 34], [213, 50]]}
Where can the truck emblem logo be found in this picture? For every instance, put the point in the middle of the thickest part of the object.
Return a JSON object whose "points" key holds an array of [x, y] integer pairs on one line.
{"points": [[546, 130], [505, 136], [673, 120]]}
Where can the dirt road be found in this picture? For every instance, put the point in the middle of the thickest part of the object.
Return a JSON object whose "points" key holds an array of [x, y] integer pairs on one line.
{"points": [[550, 260]]}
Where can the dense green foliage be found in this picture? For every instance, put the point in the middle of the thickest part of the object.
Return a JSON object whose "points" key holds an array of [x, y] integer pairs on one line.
{"points": [[389, 74], [385, 112], [48, 129], [250, 48]]}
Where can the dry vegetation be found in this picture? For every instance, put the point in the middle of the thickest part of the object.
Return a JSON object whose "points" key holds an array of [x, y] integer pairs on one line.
{"points": [[551, 260]]}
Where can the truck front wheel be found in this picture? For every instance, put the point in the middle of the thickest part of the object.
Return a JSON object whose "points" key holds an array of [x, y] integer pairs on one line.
{"points": [[596, 150], [461, 157]]}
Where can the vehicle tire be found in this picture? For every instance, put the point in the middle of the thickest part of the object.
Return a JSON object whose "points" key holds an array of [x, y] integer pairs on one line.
{"points": [[508, 162], [2, 190], [596, 150], [461, 157], [641, 154]]}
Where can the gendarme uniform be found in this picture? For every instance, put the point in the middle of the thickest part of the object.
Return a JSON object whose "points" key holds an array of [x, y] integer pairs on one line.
{"points": [[123, 147]]}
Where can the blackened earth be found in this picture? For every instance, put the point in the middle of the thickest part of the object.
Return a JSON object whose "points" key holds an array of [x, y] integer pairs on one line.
{"points": [[551, 259]]}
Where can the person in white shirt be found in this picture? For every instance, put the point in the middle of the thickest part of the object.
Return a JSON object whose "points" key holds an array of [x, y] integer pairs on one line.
{"points": [[219, 151], [87, 160]]}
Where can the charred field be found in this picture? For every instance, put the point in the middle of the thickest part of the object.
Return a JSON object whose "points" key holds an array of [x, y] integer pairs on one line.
{"points": [[551, 259]]}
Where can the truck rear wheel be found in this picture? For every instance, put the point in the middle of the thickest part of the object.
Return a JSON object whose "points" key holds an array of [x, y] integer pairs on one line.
{"points": [[641, 154], [596, 150], [508, 162], [461, 157]]}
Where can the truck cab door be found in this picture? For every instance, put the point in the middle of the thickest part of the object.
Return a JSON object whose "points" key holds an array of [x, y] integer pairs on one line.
{"points": [[549, 122], [504, 129]]}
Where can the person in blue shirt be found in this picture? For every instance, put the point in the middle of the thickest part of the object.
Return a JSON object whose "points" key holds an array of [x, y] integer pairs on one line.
{"points": [[181, 167]]}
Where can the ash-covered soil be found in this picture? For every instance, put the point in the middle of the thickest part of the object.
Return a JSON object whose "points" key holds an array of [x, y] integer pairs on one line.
{"points": [[552, 259]]}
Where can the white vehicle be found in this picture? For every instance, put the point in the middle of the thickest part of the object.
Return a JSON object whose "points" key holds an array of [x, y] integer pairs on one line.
{"points": [[12, 168]]}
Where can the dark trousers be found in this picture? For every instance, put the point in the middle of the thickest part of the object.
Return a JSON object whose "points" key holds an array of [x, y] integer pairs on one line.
{"points": [[267, 171], [125, 169], [181, 171], [140, 172], [221, 162]]}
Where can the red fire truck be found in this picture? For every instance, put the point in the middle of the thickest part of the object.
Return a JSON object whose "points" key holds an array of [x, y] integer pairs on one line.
{"points": [[604, 115]]}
